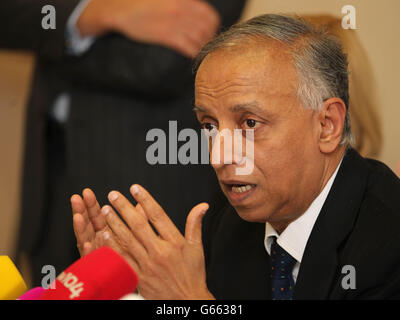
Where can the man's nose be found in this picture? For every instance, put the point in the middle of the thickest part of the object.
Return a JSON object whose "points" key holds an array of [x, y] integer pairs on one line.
{"points": [[226, 148]]}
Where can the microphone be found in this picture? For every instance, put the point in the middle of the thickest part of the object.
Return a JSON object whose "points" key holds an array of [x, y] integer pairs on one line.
{"points": [[11, 283], [33, 294], [101, 275]]}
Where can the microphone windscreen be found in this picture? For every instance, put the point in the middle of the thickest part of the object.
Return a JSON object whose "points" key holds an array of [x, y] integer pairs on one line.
{"points": [[33, 294], [101, 275], [11, 283]]}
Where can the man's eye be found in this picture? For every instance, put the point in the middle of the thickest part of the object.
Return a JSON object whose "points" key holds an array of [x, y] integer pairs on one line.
{"points": [[250, 123], [208, 126]]}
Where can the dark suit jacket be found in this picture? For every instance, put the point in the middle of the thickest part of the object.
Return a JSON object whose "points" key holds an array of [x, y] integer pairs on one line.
{"points": [[358, 225], [119, 90], [21, 26]]}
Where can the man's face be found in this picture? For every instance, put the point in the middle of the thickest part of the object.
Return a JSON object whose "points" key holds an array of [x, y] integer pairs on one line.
{"points": [[254, 86]]}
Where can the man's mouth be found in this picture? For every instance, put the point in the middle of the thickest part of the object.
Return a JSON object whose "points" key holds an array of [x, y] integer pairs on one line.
{"points": [[240, 188], [238, 191]]}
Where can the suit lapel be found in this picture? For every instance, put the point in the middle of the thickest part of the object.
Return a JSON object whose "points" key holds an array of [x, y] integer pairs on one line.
{"points": [[320, 265]]}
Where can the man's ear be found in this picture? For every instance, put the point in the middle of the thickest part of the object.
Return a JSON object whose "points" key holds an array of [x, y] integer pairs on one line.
{"points": [[331, 119]]}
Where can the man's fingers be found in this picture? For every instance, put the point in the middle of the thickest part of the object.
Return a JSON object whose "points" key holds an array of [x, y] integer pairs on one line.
{"points": [[124, 235], [139, 226], [83, 231], [165, 227], [79, 206], [79, 228], [194, 222], [93, 209], [182, 43], [87, 248], [141, 210], [199, 32], [110, 241], [203, 11]]}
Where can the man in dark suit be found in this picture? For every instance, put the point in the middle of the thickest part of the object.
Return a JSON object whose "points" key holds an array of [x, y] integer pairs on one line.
{"points": [[110, 72], [311, 219], [356, 228]]}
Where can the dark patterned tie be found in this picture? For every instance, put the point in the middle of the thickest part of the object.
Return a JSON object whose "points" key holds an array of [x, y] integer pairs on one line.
{"points": [[282, 264]]}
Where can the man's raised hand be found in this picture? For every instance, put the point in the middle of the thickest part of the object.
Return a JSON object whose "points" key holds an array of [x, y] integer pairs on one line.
{"points": [[169, 265], [90, 227]]}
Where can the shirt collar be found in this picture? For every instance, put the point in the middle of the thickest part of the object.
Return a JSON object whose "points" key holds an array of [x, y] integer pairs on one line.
{"points": [[294, 238]]}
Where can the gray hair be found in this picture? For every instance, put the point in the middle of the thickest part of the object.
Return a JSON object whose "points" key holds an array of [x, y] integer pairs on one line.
{"points": [[319, 59]]}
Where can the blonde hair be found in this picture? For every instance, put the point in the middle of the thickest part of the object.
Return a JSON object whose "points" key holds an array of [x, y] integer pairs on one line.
{"points": [[365, 121]]}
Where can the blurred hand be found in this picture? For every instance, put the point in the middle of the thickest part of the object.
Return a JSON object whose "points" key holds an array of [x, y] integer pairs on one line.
{"points": [[183, 25]]}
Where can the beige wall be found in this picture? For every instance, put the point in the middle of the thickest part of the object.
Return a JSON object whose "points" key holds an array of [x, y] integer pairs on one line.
{"points": [[15, 75], [378, 28]]}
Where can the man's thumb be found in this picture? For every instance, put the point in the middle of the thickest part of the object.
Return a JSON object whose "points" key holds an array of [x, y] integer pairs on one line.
{"points": [[194, 222]]}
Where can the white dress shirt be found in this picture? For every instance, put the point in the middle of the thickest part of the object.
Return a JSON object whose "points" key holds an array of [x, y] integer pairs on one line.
{"points": [[294, 238]]}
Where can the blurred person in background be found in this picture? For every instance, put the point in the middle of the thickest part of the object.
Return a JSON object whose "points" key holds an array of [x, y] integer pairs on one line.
{"points": [[111, 71], [364, 116]]}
